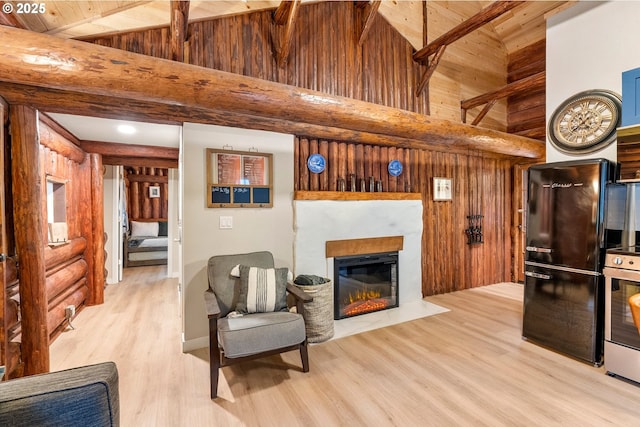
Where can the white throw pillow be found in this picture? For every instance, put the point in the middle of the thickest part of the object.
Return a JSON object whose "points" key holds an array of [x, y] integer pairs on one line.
{"points": [[144, 229], [262, 290]]}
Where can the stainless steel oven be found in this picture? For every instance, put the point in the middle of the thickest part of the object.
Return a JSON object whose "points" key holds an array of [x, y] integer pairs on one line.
{"points": [[622, 340]]}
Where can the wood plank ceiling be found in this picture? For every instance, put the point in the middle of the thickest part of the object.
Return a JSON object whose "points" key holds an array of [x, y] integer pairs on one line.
{"points": [[515, 25]]}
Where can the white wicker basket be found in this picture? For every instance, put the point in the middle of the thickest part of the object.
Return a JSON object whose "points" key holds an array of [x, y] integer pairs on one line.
{"points": [[318, 314]]}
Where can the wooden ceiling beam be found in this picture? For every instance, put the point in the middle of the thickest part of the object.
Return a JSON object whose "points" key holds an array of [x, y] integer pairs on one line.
{"points": [[129, 150], [478, 20], [147, 178], [178, 29], [57, 101], [65, 102], [528, 84], [33, 59], [149, 162], [54, 141], [57, 127], [83, 104], [284, 19], [370, 13]]}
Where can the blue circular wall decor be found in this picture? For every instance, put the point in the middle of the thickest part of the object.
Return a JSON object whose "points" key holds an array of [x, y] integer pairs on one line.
{"points": [[316, 163], [394, 168]]}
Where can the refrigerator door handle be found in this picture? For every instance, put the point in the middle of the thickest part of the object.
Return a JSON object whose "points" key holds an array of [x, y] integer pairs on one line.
{"points": [[541, 250], [537, 275]]}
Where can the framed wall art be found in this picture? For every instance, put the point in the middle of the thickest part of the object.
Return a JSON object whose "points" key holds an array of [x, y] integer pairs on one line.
{"points": [[154, 191], [442, 188]]}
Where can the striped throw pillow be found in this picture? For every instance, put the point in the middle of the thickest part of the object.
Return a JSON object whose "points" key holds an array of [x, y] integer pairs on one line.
{"points": [[262, 290]]}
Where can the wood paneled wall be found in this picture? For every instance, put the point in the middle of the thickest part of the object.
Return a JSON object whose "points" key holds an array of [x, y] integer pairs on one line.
{"points": [[481, 186], [345, 159], [324, 53], [140, 206], [471, 66], [325, 56], [526, 114]]}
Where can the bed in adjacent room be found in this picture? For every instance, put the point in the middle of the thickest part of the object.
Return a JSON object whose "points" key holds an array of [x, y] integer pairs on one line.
{"points": [[146, 244]]}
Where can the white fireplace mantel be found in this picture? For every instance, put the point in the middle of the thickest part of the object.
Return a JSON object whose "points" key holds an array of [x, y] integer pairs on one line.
{"points": [[319, 221]]}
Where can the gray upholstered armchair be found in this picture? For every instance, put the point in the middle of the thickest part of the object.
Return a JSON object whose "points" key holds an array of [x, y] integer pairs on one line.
{"points": [[84, 396], [243, 326]]}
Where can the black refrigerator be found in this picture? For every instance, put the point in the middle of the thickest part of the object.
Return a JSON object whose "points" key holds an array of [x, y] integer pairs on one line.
{"points": [[566, 241]]}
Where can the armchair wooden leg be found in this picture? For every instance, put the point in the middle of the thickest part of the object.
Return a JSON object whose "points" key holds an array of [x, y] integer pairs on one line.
{"points": [[304, 355], [215, 373], [214, 357]]}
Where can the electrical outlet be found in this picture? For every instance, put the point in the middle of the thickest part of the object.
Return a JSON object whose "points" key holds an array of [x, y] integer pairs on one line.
{"points": [[70, 311]]}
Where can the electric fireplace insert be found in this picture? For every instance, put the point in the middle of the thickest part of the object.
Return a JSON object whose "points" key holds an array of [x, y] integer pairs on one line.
{"points": [[365, 283]]}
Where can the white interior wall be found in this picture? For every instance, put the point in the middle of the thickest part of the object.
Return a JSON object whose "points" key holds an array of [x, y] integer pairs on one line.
{"points": [[253, 228], [111, 184], [588, 47], [173, 265]]}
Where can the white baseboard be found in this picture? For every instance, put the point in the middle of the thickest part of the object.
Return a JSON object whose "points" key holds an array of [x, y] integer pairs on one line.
{"points": [[194, 344]]}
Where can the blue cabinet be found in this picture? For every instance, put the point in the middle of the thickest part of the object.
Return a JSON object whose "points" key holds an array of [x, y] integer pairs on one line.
{"points": [[631, 97]]}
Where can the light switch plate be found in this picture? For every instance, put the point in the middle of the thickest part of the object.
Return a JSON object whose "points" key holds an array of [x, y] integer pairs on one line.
{"points": [[226, 222]]}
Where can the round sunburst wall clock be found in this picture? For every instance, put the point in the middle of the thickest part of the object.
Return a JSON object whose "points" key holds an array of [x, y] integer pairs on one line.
{"points": [[585, 122]]}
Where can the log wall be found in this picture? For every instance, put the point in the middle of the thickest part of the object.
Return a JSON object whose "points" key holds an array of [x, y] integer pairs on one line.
{"points": [[140, 206], [526, 114], [67, 278], [481, 186], [324, 53]]}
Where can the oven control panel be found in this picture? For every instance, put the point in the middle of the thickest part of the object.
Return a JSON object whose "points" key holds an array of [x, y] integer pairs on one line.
{"points": [[624, 261]]}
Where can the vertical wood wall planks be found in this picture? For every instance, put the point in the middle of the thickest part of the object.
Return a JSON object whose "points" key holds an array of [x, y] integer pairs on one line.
{"points": [[314, 178], [304, 170], [325, 56], [324, 177], [333, 166], [481, 186]]}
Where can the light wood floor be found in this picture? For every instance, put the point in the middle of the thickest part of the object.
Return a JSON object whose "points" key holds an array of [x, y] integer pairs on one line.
{"points": [[466, 367]]}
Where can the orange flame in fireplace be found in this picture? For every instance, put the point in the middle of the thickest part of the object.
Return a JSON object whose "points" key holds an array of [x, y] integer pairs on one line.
{"points": [[363, 295], [364, 301]]}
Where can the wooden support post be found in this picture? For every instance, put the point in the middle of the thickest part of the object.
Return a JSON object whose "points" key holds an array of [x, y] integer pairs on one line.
{"points": [[371, 12], [284, 19], [430, 69], [178, 29], [29, 235], [96, 295], [478, 20], [484, 112]]}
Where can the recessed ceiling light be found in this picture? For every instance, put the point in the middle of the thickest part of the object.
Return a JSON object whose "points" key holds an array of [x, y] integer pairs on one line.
{"points": [[126, 129]]}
